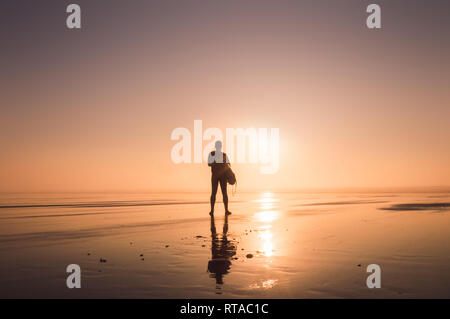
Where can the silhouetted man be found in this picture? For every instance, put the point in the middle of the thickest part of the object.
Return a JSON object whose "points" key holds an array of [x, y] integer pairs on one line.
{"points": [[219, 164]]}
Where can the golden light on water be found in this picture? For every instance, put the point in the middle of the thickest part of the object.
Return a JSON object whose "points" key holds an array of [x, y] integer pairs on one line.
{"points": [[267, 203], [267, 206], [267, 284], [266, 198], [266, 216], [267, 244]]}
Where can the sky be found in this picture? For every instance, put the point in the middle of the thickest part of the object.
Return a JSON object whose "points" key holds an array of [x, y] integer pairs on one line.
{"points": [[93, 109]]}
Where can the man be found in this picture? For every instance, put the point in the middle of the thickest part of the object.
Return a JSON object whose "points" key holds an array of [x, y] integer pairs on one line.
{"points": [[219, 163]]}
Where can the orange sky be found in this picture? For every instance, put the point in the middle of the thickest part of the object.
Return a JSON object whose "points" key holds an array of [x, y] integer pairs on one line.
{"points": [[93, 109]]}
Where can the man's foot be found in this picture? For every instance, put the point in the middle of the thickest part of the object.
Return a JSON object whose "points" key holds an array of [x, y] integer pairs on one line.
{"points": [[211, 213], [227, 212]]}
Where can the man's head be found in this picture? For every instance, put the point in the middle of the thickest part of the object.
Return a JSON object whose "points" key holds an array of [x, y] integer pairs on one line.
{"points": [[218, 146]]}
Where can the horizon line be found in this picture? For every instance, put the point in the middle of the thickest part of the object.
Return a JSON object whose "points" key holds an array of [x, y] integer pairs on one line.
{"points": [[247, 190]]}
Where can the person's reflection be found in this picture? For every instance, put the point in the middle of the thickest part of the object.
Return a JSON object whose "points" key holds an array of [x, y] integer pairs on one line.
{"points": [[222, 250]]}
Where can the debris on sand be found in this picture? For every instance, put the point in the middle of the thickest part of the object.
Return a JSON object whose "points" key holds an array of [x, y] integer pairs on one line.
{"points": [[359, 265], [88, 254], [141, 255], [142, 259], [203, 245], [199, 236], [249, 256], [102, 260], [167, 246]]}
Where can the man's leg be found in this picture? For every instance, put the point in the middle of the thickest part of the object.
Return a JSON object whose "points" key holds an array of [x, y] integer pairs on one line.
{"points": [[214, 184], [223, 187]]}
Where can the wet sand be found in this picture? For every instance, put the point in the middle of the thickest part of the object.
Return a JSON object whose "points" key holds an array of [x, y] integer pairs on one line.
{"points": [[274, 245]]}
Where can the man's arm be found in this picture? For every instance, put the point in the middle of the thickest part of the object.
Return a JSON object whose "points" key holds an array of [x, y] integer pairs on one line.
{"points": [[210, 159]]}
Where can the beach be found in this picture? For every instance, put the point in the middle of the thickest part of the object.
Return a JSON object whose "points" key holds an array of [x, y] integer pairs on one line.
{"points": [[274, 245]]}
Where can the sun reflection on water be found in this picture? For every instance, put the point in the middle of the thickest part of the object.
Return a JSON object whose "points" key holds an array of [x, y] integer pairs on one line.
{"points": [[267, 198], [266, 216], [265, 284], [267, 245]]}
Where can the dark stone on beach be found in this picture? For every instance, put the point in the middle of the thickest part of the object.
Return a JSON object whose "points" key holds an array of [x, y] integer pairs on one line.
{"points": [[102, 260], [142, 259], [249, 256], [203, 245], [359, 265], [167, 246], [199, 236], [88, 254], [141, 255]]}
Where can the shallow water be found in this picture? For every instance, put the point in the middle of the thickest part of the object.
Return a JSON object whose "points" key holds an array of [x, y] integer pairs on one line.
{"points": [[274, 245]]}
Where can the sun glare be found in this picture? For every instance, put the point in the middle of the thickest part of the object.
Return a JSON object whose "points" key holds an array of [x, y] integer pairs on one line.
{"points": [[267, 216]]}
